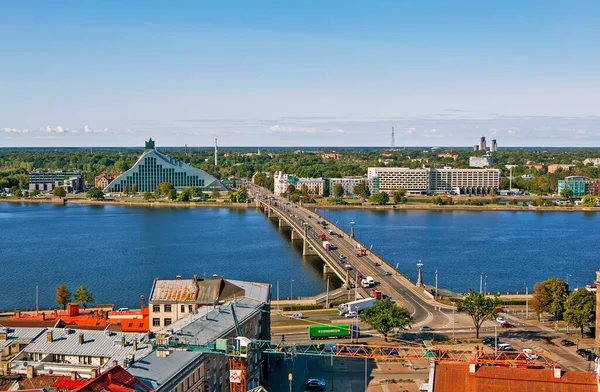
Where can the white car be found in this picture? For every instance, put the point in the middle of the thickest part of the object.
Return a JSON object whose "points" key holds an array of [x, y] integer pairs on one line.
{"points": [[500, 320], [297, 315], [350, 314], [529, 354]]}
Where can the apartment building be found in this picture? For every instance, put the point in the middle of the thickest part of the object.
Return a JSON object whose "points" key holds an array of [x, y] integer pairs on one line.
{"points": [[314, 186], [349, 183], [387, 179], [47, 181]]}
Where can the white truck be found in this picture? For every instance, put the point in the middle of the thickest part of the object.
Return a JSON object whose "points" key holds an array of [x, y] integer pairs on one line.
{"points": [[368, 282], [327, 245], [355, 306]]}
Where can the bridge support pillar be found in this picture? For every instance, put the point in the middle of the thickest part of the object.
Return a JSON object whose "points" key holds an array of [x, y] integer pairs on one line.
{"points": [[283, 223], [306, 248], [296, 235], [326, 269]]}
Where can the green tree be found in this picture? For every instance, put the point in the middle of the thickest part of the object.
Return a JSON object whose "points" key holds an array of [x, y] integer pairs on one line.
{"points": [[25, 193], [588, 201], [63, 295], [125, 189], [362, 190], [241, 195], [164, 188], [35, 192], [338, 190], [384, 316], [216, 193], [188, 193], [18, 193], [149, 196], [134, 188], [95, 194], [83, 296], [59, 191], [172, 194], [581, 309], [304, 190], [478, 307], [399, 196], [566, 193], [380, 198], [550, 296]]}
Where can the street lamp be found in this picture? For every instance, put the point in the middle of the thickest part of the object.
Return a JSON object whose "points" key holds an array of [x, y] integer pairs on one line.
{"points": [[481, 283], [352, 223], [436, 282], [485, 285], [291, 283], [568, 280], [526, 301]]}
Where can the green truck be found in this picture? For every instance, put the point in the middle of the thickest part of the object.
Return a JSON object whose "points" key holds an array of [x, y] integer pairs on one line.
{"points": [[332, 331]]}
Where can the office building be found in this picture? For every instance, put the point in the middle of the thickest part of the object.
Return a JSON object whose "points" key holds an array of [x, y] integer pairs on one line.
{"points": [[314, 186], [494, 146], [46, 181], [349, 183], [153, 167], [483, 161], [482, 145], [577, 184]]}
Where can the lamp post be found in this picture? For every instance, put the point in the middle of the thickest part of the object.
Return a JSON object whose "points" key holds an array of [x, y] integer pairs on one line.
{"points": [[481, 283], [526, 302], [436, 282], [291, 283], [352, 223], [453, 335], [485, 285], [568, 280], [420, 275]]}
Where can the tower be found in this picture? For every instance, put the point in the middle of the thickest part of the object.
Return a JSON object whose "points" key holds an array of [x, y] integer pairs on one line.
{"points": [[482, 146], [216, 154], [393, 141], [494, 146]]}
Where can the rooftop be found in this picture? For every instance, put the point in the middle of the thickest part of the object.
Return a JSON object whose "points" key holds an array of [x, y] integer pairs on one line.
{"points": [[115, 379], [19, 335], [155, 371], [178, 290]]}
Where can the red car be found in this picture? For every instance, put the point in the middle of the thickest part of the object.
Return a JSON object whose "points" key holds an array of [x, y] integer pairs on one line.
{"points": [[376, 264], [507, 325]]}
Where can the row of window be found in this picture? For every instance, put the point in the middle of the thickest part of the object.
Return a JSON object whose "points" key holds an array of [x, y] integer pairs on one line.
{"points": [[168, 308], [156, 322]]}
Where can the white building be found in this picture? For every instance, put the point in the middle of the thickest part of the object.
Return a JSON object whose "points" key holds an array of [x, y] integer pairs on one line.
{"points": [[349, 183], [593, 161], [281, 183], [482, 161], [389, 179], [315, 186]]}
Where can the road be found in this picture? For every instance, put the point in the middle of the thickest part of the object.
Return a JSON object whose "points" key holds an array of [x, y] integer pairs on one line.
{"points": [[394, 285]]}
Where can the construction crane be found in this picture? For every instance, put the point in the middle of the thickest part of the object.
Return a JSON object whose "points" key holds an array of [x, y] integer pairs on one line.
{"points": [[239, 348]]}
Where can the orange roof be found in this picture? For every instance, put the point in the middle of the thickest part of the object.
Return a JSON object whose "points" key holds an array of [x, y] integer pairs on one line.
{"points": [[456, 378], [174, 290]]}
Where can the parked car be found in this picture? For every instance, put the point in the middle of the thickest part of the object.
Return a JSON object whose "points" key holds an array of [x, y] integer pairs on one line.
{"points": [[588, 355], [387, 273], [488, 339], [529, 354], [500, 320], [350, 314], [507, 325], [567, 342], [342, 257], [505, 347], [348, 266], [315, 384], [297, 315], [425, 328], [376, 264]]}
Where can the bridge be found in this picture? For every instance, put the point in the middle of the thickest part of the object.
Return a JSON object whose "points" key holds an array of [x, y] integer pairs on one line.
{"points": [[306, 226]]}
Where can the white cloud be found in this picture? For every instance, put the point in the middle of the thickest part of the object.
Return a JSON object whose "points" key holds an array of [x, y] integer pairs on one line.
{"points": [[87, 129], [56, 129], [410, 131], [511, 131], [431, 131], [15, 130], [493, 131], [292, 129]]}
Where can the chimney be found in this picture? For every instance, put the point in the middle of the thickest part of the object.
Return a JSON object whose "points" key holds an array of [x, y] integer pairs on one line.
{"points": [[124, 365], [81, 338], [43, 316], [17, 313], [135, 343], [123, 341], [73, 375], [557, 372], [94, 373], [142, 302], [30, 371], [3, 335], [114, 363], [49, 336]]}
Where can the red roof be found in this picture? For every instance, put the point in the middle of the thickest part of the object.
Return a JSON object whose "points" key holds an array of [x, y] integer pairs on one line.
{"points": [[456, 378], [115, 379], [67, 383]]}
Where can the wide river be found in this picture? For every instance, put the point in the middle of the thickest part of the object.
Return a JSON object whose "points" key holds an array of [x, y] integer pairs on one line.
{"points": [[118, 251]]}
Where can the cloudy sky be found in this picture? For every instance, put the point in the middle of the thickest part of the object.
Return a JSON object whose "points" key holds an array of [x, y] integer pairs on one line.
{"points": [[311, 73]]}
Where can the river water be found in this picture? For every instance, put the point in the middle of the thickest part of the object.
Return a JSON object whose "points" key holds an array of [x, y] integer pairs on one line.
{"points": [[118, 251]]}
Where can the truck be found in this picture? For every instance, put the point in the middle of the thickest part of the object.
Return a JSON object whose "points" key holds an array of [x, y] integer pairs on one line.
{"points": [[356, 306], [326, 245], [332, 331], [376, 294], [360, 251], [322, 237]]}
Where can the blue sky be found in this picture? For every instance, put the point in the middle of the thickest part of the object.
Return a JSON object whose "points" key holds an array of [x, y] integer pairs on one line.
{"points": [[278, 73]]}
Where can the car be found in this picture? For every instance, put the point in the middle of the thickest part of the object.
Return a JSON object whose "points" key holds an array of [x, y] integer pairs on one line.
{"points": [[342, 257], [588, 355], [297, 315], [348, 266], [567, 342], [387, 273], [507, 325], [425, 328], [500, 320], [505, 347], [376, 264], [529, 354], [316, 384], [360, 277], [351, 314], [488, 339]]}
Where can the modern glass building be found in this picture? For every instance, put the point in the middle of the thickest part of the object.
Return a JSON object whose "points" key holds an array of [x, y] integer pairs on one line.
{"points": [[578, 184], [153, 167]]}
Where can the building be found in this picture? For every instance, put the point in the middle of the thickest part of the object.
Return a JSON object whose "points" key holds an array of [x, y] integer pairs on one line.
{"points": [[434, 180], [103, 179], [315, 186], [280, 183], [170, 369], [592, 161], [494, 146], [482, 161], [113, 379], [153, 167], [594, 187], [13, 341], [578, 184], [482, 145], [46, 181], [476, 147], [554, 167], [349, 183], [448, 155], [62, 351], [458, 377]]}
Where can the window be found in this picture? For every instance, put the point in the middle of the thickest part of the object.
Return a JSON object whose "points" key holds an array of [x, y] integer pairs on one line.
{"points": [[130, 325], [182, 308], [156, 308], [141, 325], [168, 321], [191, 308], [168, 308], [156, 322]]}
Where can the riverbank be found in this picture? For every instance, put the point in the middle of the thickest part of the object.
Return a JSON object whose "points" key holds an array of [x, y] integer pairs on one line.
{"points": [[455, 207], [131, 203]]}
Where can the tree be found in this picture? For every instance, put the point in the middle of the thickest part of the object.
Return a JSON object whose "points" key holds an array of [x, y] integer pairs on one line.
{"points": [[149, 196], [35, 192], [83, 296], [95, 194], [188, 193], [63, 295], [479, 308], [172, 194], [304, 190], [59, 191], [134, 188], [216, 193], [550, 296], [588, 201], [125, 189], [338, 190], [362, 190], [399, 196], [581, 309], [164, 188], [380, 198], [240, 196], [384, 316], [566, 193]]}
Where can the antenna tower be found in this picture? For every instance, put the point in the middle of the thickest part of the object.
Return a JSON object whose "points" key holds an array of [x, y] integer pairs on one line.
{"points": [[393, 140]]}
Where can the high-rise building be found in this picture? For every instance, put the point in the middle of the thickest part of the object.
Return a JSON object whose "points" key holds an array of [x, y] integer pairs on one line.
{"points": [[494, 146], [476, 147], [482, 146]]}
